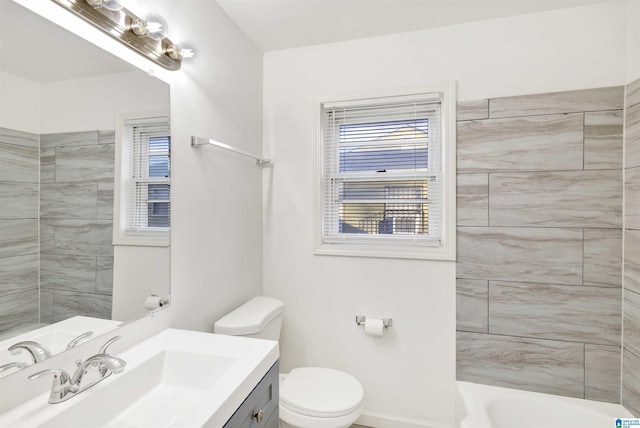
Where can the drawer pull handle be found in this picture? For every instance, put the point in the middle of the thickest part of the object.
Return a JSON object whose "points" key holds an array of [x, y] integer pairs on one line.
{"points": [[258, 416]]}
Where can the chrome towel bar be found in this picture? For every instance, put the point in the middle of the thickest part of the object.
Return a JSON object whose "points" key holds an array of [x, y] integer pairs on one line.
{"points": [[199, 141]]}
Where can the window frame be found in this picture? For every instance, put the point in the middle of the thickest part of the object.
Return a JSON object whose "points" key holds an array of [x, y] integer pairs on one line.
{"points": [[366, 246], [122, 235]]}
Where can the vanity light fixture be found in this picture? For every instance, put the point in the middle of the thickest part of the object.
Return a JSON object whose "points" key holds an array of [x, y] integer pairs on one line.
{"points": [[146, 36]]}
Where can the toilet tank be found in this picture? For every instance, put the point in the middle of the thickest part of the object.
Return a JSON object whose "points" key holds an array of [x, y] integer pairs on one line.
{"points": [[260, 317]]}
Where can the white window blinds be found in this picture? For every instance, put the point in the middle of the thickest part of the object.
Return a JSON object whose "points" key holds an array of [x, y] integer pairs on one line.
{"points": [[381, 180], [149, 180]]}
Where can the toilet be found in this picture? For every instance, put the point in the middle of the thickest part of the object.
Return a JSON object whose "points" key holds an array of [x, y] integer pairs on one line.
{"points": [[310, 397]]}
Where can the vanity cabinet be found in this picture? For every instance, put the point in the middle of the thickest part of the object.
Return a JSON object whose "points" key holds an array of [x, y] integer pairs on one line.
{"points": [[260, 408]]}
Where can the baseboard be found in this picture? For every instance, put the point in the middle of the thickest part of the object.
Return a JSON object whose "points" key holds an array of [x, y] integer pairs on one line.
{"points": [[383, 420]]}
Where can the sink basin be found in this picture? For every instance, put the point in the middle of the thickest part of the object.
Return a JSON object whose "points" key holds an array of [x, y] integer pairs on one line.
{"points": [[176, 378], [154, 394]]}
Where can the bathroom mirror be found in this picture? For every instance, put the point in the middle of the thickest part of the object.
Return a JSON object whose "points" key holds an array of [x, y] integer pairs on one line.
{"points": [[60, 97]]}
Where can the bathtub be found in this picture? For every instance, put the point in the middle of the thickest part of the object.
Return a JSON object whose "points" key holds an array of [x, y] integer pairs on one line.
{"points": [[483, 406]]}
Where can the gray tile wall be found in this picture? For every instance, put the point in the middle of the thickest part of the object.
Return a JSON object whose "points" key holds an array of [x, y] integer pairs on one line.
{"points": [[631, 256], [19, 160], [76, 212], [539, 289], [56, 211]]}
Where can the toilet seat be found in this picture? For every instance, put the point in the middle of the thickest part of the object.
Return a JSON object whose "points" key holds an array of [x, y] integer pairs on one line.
{"points": [[321, 393]]}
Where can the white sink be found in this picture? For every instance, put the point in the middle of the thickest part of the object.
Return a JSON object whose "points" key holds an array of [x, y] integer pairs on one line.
{"points": [[174, 379]]}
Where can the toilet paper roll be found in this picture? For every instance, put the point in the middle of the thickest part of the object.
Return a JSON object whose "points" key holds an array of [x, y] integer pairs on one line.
{"points": [[374, 327], [152, 302]]}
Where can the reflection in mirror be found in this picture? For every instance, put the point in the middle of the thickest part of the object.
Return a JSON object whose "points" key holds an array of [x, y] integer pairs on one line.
{"points": [[61, 276]]}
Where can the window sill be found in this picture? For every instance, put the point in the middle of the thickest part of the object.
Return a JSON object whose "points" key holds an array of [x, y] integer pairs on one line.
{"points": [[386, 251], [143, 240]]}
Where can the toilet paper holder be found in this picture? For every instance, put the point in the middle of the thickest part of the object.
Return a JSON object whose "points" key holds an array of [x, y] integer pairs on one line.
{"points": [[386, 322]]}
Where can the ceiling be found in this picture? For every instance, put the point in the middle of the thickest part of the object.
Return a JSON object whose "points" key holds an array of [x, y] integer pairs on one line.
{"points": [[283, 24], [38, 50]]}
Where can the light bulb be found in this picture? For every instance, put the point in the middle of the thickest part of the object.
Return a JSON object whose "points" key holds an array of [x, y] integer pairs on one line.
{"points": [[180, 53], [107, 4], [156, 27]]}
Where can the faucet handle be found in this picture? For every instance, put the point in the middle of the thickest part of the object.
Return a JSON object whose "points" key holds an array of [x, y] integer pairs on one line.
{"points": [[77, 340], [13, 365], [61, 385], [103, 350]]}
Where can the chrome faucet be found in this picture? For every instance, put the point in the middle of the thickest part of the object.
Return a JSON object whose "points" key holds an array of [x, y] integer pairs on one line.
{"points": [[37, 351], [65, 386]]}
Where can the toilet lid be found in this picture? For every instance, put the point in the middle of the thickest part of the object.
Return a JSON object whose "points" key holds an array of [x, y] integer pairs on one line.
{"points": [[320, 392]]}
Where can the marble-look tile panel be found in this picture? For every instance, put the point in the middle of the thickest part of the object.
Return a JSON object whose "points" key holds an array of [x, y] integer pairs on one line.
{"points": [[107, 136], [47, 235], [48, 166], [105, 199], [597, 99], [633, 93], [18, 309], [472, 199], [472, 305], [632, 198], [66, 139], [632, 137], [471, 110], [18, 200], [539, 143], [18, 237], [46, 306], [545, 255], [632, 321], [104, 275], [18, 273], [602, 373], [84, 237], [19, 138], [603, 139], [71, 273], [632, 260], [557, 312], [68, 303], [631, 382], [531, 364], [556, 199], [69, 200], [19, 163], [602, 257], [85, 163]]}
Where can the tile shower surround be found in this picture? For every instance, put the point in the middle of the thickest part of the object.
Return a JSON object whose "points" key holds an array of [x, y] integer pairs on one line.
{"points": [[631, 333], [539, 289], [75, 200]]}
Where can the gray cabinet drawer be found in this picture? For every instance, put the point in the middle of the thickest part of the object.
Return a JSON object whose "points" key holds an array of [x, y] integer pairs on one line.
{"points": [[264, 398]]}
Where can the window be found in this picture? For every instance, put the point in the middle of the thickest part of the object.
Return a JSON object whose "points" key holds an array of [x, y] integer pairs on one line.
{"points": [[386, 175], [143, 181]]}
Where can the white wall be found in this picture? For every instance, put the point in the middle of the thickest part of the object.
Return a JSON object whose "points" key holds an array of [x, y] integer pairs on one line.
{"points": [[216, 225], [633, 39], [19, 103], [409, 373], [92, 103]]}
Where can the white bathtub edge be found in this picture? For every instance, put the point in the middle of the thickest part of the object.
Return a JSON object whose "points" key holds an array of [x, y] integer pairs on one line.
{"points": [[383, 420]]}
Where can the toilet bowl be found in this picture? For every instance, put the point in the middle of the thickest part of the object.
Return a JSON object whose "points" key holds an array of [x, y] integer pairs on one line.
{"points": [[310, 397]]}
